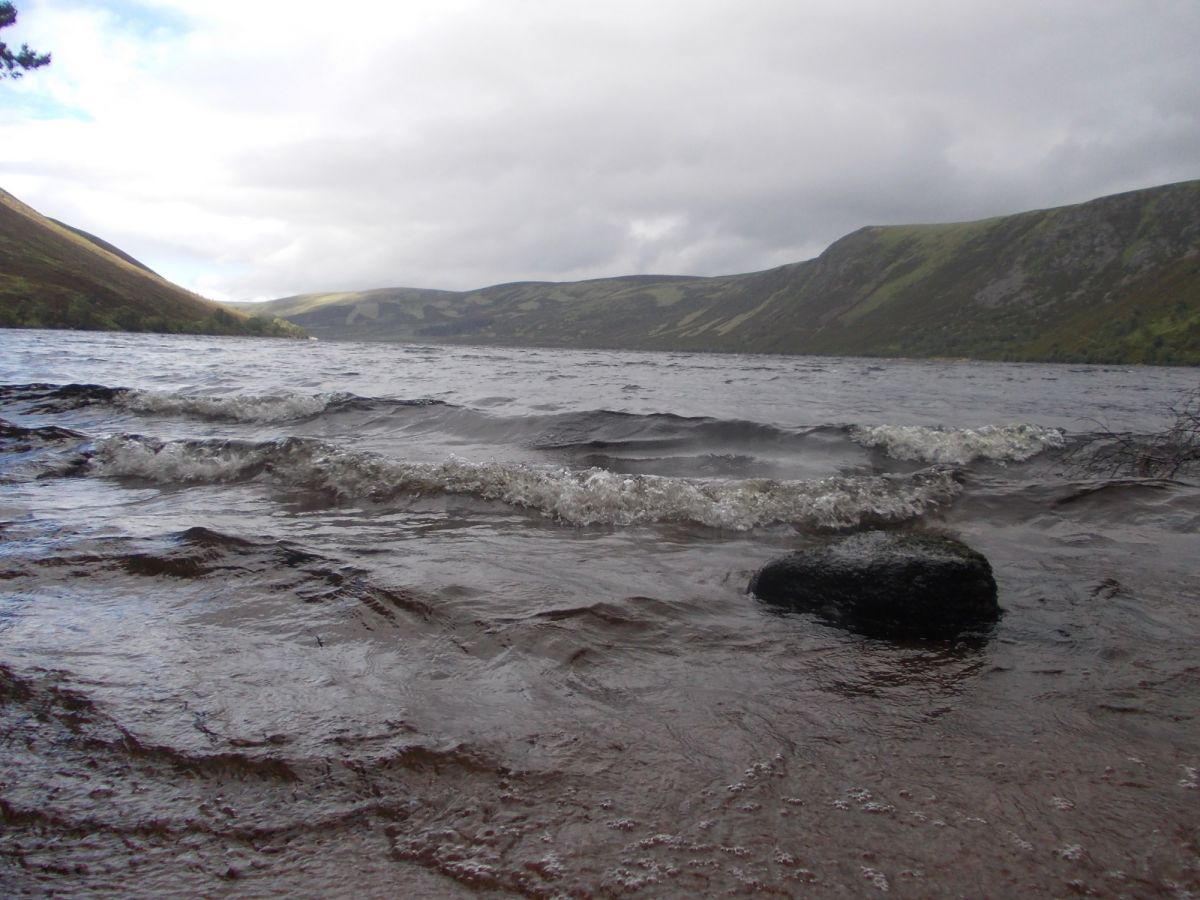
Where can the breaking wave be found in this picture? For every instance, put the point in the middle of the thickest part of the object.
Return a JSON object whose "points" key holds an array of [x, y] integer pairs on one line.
{"points": [[19, 437], [261, 409], [959, 446], [576, 432], [571, 496], [257, 409], [250, 408]]}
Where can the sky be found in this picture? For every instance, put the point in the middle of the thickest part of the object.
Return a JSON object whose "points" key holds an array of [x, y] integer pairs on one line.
{"points": [[264, 148]]}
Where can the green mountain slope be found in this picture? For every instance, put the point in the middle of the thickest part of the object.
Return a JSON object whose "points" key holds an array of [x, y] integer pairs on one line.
{"points": [[56, 276], [105, 245], [1113, 280]]}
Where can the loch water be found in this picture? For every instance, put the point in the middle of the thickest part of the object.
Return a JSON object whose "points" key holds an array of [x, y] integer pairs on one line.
{"points": [[336, 619]]}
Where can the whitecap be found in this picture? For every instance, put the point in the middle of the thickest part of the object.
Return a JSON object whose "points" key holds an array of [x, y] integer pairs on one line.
{"points": [[249, 408], [958, 446], [572, 496]]}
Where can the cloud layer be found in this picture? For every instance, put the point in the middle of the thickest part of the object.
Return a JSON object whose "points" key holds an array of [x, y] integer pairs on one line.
{"points": [[266, 148]]}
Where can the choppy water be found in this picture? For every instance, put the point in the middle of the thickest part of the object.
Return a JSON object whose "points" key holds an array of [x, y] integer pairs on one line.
{"points": [[425, 621]]}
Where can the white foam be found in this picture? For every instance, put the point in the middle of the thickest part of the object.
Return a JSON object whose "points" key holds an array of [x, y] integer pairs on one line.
{"points": [[1073, 852], [186, 462], [576, 497], [959, 446], [251, 408], [876, 877]]}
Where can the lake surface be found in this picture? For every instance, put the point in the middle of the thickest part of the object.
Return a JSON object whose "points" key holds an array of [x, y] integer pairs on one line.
{"points": [[386, 620]]}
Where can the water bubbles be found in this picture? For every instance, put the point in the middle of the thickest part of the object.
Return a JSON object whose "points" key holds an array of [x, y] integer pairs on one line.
{"points": [[631, 881], [866, 802], [659, 840], [951, 446], [878, 808], [1072, 852], [876, 878], [1020, 842], [621, 824], [248, 408], [549, 867], [760, 769], [574, 497]]}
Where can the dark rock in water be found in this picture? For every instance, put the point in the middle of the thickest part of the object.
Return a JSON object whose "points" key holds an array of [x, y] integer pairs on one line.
{"points": [[886, 584]]}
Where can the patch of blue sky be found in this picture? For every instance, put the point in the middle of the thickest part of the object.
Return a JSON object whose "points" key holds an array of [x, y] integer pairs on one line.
{"points": [[141, 19], [188, 270], [38, 105]]}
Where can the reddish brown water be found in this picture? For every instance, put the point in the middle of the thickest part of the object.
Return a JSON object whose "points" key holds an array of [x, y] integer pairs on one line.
{"points": [[263, 668]]}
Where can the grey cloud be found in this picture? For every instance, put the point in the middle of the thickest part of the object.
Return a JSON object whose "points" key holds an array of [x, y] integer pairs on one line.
{"points": [[571, 141]]}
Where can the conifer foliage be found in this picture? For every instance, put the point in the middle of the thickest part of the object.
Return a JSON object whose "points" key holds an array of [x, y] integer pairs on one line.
{"points": [[15, 64]]}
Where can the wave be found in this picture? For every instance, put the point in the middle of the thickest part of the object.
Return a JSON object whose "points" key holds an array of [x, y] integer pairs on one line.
{"points": [[248, 408], [573, 433], [571, 496], [959, 446], [258, 409], [261, 409], [18, 438], [38, 452], [609, 429], [45, 398]]}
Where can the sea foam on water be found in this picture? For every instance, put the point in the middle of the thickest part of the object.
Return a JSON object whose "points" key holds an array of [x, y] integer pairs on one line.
{"points": [[574, 497], [959, 446], [250, 408]]}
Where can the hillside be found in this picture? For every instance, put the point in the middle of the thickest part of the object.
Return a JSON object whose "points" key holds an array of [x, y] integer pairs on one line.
{"points": [[1113, 280], [56, 276]]}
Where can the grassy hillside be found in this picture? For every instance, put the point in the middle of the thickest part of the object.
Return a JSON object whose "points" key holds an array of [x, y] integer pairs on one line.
{"points": [[1113, 280], [55, 276]]}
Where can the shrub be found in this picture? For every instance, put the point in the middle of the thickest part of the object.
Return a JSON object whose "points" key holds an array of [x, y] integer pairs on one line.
{"points": [[1162, 455]]}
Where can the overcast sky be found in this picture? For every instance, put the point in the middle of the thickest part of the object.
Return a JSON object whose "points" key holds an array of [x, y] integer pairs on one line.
{"points": [[260, 148]]}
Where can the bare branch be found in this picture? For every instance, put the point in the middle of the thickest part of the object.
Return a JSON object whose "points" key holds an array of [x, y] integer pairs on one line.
{"points": [[1162, 455]]}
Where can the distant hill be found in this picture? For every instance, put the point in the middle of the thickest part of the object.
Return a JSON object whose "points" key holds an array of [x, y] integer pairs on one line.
{"points": [[56, 276], [1113, 280]]}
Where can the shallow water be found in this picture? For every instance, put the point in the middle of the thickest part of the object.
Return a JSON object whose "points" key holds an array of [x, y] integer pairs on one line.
{"points": [[394, 620]]}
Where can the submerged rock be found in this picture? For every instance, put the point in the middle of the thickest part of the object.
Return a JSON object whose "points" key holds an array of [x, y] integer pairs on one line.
{"points": [[886, 584]]}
